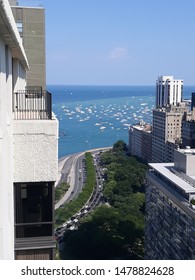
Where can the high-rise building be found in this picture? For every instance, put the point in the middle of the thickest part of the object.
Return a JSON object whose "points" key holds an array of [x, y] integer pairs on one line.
{"points": [[140, 140], [170, 208], [168, 116], [30, 22], [193, 101], [28, 151], [13, 2], [166, 135], [188, 134], [188, 127], [168, 91]]}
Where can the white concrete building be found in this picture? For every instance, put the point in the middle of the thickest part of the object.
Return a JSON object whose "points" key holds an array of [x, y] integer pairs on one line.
{"points": [[13, 66], [28, 153], [170, 208], [168, 91]]}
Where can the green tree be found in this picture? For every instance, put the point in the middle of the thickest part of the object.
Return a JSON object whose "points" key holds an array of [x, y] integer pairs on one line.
{"points": [[96, 238], [108, 189], [115, 231], [120, 146]]}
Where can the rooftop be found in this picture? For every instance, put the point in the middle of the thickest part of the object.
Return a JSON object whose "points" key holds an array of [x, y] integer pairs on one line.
{"points": [[187, 151], [177, 178], [143, 126]]}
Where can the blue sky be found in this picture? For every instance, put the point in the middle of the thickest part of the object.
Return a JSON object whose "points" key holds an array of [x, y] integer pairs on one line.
{"points": [[119, 42]]}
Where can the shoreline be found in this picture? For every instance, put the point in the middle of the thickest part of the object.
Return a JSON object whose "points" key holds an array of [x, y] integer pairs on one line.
{"points": [[75, 154]]}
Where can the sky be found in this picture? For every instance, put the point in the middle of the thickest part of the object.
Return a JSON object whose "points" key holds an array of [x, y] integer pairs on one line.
{"points": [[119, 42]]}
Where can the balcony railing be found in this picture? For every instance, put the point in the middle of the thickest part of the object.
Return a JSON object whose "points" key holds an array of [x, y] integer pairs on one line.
{"points": [[32, 104]]}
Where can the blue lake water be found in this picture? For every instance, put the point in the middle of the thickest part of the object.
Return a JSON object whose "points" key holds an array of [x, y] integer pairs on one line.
{"points": [[98, 116]]}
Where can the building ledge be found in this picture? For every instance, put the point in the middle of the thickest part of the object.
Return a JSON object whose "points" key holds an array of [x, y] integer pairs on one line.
{"points": [[34, 243]]}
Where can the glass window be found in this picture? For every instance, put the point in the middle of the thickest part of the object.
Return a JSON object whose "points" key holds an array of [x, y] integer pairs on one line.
{"points": [[33, 209], [20, 27]]}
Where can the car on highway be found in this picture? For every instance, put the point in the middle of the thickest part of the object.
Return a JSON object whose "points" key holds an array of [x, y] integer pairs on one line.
{"points": [[78, 214], [72, 227]]}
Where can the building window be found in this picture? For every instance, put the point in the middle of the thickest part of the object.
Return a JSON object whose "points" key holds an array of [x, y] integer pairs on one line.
{"points": [[33, 209], [20, 28]]}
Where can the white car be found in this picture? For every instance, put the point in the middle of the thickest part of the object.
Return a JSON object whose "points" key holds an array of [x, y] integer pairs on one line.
{"points": [[78, 214], [72, 227]]}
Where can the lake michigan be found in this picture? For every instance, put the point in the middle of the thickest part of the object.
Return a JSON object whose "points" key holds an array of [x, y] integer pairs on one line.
{"points": [[98, 116]]}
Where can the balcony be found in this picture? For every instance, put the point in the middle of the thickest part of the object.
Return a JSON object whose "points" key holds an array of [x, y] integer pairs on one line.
{"points": [[35, 135], [32, 104]]}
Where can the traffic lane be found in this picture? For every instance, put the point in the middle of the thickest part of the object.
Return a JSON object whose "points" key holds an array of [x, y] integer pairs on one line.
{"points": [[80, 176], [69, 195], [78, 183], [66, 168], [64, 165], [72, 193], [96, 200]]}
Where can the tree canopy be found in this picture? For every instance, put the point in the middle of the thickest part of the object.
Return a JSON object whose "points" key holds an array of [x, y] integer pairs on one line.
{"points": [[114, 230]]}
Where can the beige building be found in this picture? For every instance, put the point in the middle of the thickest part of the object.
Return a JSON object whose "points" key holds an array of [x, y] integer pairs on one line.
{"points": [[158, 144], [140, 140], [167, 129], [31, 26]]}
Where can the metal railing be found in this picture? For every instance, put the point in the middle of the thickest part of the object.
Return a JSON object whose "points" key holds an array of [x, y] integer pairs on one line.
{"points": [[32, 104]]}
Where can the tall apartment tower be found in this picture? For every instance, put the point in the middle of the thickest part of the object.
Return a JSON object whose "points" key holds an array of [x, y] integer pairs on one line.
{"points": [[188, 127], [31, 26], [188, 134], [168, 91], [13, 2], [167, 129], [193, 101], [28, 152], [140, 140], [168, 116], [170, 208]]}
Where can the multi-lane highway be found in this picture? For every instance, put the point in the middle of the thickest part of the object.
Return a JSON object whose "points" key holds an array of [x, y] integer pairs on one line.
{"points": [[72, 169]]}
